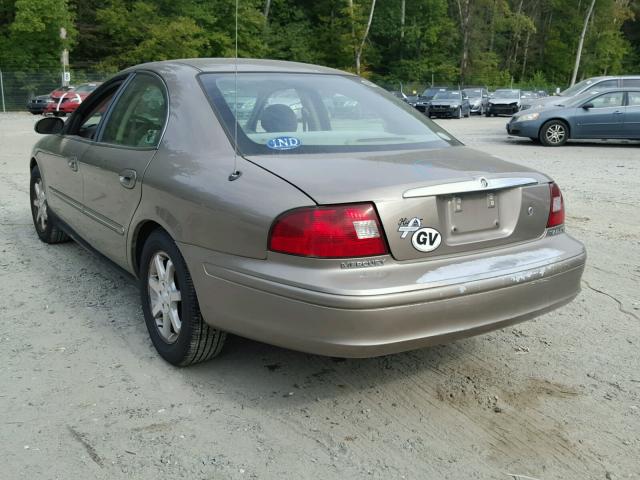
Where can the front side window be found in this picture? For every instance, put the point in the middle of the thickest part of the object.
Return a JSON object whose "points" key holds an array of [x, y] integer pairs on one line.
{"points": [[631, 82], [138, 117], [312, 113], [88, 124], [613, 99]]}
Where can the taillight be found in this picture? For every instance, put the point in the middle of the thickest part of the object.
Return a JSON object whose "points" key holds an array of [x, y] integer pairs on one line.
{"points": [[556, 210], [340, 231]]}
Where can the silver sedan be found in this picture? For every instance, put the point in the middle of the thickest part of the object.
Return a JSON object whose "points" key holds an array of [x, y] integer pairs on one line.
{"points": [[300, 206]]}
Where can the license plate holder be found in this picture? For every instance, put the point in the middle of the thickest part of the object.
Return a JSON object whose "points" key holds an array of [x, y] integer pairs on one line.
{"points": [[473, 212]]}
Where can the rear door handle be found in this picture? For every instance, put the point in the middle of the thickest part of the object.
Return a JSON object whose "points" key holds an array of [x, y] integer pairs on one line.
{"points": [[618, 112], [72, 163], [128, 178]]}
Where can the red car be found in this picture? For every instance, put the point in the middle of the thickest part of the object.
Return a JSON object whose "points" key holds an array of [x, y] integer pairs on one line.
{"points": [[66, 101]]}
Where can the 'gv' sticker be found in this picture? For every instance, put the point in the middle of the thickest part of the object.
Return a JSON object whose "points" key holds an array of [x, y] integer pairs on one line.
{"points": [[426, 239]]}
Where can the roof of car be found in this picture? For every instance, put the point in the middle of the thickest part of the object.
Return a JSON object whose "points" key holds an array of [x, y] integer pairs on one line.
{"points": [[244, 65]]}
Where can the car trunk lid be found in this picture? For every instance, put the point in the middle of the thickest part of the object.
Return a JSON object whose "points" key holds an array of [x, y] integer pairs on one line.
{"points": [[455, 199]]}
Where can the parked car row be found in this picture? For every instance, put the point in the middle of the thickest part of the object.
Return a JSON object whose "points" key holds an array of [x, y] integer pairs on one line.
{"points": [[443, 101], [61, 101], [457, 103]]}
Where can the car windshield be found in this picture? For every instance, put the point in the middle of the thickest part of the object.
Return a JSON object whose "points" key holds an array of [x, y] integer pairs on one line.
{"points": [[473, 93], [430, 92], [571, 91], [451, 95], [506, 94], [311, 113]]}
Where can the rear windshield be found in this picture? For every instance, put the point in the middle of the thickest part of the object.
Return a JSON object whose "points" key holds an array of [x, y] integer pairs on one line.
{"points": [[314, 113], [473, 93]]}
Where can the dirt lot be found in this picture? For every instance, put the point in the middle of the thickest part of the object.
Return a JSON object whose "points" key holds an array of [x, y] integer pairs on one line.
{"points": [[84, 395]]}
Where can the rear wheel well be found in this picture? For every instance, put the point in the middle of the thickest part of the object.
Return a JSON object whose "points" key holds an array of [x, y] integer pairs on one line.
{"points": [[143, 231]]}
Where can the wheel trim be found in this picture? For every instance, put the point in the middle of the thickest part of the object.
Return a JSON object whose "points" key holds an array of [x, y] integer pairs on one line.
{"points": [[40, 205], [555, 133], [164, 296]]}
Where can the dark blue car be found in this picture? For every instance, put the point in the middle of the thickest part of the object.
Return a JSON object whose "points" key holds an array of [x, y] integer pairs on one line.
{"points": [[613, 114]]}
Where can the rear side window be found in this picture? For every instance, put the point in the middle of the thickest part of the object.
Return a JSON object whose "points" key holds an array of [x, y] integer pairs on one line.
{"points": [[634, 99], [138, 117], [631, 82]]}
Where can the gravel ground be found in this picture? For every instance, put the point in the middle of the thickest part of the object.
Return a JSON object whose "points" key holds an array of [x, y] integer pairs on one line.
{"points": [[84, 395]]}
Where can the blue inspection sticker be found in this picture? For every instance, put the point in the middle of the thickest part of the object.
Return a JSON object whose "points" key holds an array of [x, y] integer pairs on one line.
{"points": [[284, 143]]}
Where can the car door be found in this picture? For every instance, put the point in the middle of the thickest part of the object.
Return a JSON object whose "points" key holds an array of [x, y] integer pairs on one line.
{"points": [[632, 115], [115, 164], [63, 169], [62, 178], [603, 118]]}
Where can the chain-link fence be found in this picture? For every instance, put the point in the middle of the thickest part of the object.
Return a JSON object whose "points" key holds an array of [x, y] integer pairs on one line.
{"points": [[18, 88]]}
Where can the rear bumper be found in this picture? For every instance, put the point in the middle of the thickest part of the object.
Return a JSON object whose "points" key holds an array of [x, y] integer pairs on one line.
{"points": [[444, 307]]}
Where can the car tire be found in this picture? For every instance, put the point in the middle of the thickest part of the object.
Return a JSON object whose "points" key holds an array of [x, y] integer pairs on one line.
{"points": [[468, 114], [554, 133], [459, 113], [43, 220], [488, 114], [170, 305]]}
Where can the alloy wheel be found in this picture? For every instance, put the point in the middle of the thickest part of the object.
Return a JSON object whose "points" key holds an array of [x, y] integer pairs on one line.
{"points": [[40, 205], [555, 133], [164, 296]]}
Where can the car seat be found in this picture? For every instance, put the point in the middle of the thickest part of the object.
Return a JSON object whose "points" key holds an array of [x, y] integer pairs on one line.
{"points": [[278, 118]]}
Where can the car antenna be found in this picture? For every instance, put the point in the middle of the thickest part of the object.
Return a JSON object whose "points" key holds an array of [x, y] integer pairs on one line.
{"points": [[235, 174]]}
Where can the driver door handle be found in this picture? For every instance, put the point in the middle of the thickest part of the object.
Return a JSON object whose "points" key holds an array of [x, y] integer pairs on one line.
{"points": [[128, 178]]}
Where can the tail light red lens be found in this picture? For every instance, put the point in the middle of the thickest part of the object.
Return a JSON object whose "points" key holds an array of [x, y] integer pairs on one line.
{"points": [[340, 231], [556, 210]]}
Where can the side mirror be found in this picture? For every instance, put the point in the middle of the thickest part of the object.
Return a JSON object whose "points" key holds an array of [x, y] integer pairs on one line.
{"points": [[587, 106], [49, 125]]}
